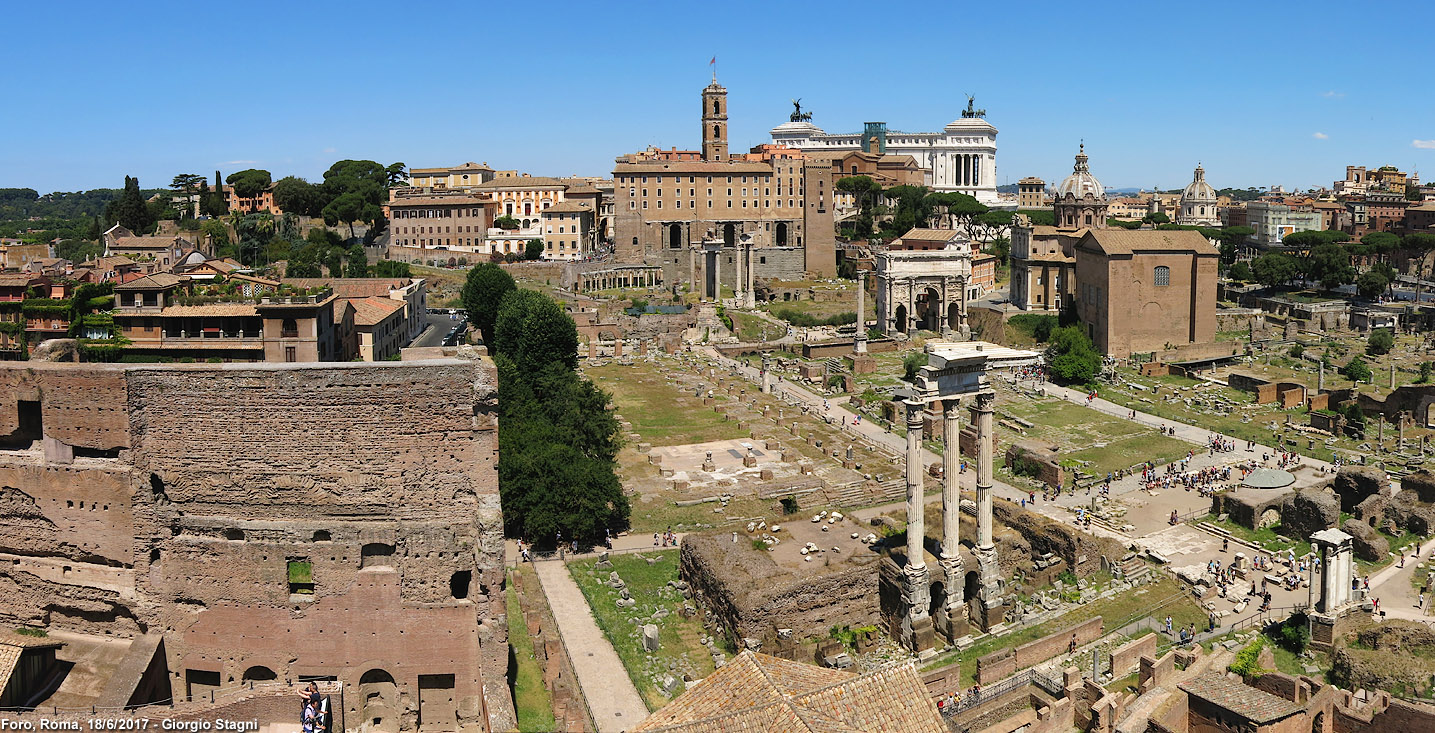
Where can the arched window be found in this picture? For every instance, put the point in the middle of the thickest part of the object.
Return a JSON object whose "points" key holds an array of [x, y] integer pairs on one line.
{"points": [[1163, 275], [716, 109]]}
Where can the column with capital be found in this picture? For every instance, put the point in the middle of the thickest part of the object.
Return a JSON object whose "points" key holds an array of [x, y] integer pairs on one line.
{"points": [[991, 592], [739, 279], [717, 276], [952, 622], [859, 345], [693, 272], [750, 300], [916, 595]]}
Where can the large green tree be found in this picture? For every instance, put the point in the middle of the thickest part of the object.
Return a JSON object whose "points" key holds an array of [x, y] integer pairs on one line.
{"points": [[130, 210], [533, 331], [1274, 268], [1329, 263], [298, 196], [250, 182], [1356, 370], [1072, 357], [482, 292]]}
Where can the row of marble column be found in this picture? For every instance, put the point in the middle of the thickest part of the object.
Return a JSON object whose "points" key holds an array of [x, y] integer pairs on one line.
{"points": [[645, 279], [918, 590], [968, 170]]}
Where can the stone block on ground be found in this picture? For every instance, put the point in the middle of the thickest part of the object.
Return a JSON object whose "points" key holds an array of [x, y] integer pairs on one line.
{"points": [[650, 637]]}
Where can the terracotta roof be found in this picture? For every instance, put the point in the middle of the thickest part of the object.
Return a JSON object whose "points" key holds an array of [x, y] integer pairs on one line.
{"points": [[111, 262], [157, 280], [340, 308], [692, 167], [1128, 241], [22, 641], [567, 207], [211, 309], [1257, 706], [930, 235], [469, 166], [402, 201], [756, 692], [373, 310], [9, 657], [520, 183], [17, 280]]}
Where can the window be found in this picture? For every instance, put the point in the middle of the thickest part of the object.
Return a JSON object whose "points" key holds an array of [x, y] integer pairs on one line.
{"points": [[301, 577], [1163, 275]]}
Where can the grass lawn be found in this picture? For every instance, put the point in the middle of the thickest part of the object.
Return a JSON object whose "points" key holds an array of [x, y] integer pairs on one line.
{"points": [[1104, 442], [1153, 599], [678, 637], [530, 697], [658, 411], [751, 328]]}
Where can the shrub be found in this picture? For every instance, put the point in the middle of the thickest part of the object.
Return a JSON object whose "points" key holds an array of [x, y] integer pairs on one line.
{"points": [[912, 363], [758, 544], [789, 505], [1380, 342], [1037, 326], [1296, 350], [1247, 662], [1026, 467]]}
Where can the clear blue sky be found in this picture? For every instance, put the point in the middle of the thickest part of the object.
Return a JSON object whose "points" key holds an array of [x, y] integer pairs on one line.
{"points": [[1261, 93]]}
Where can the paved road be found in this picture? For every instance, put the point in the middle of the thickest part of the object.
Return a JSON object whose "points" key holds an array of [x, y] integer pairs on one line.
{"points": [[612, 698], [439, 326]]}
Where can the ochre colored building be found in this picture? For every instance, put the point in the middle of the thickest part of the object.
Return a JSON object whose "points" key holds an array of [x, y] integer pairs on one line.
{"points": [[1146, 290]]}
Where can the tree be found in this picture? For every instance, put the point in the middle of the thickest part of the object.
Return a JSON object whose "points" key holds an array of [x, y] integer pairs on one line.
{"points": [[506, 222], [1355, 370], [1380, 244], [346, 209], [533, 331], [1372, 284], [1072, 357], [358, 262], [391, 268], [1156, 218], [962, 208], [77, 250], [298, 196], [129, 210], [250, 182], [1329, 263], [1312, 239], [1241, 272], [990, 226], [397, 174], [1381, 341], [213, 203], [558, 442], [913, 363], [1274, 268], [1231, 239], [482, 292], [863, 189], [1426, 370], [185, 184], [533, 249], [1039, 217], [1419, 245]]}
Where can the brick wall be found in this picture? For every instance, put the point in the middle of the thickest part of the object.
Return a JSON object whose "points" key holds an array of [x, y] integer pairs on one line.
{"points": [[1127, 656], [81, 405], [998, 665], [1155, 672]]}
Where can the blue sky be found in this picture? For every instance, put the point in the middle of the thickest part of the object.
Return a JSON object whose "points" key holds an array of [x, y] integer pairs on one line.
{"points": [[1261, 93]]}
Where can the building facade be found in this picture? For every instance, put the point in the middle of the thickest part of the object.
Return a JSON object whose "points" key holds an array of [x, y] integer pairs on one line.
{"points": [[453, 177], [1146, 290], [962, 157], [450, 221], [922, 287], [1031, 193], [1273, 221], [568, 232], [667, 202]]}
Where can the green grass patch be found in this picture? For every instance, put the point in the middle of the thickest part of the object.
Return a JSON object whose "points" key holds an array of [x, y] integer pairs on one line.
{"points": [[751, 328], [678, 637], [530, 698], [660, 413]]}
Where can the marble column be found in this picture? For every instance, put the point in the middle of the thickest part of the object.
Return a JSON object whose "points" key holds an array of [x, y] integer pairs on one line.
{"points": [[740, 280], [952, 620], [762, 377], [693, 272], [859, 343], [717, 276], [917, 632], [915, 488], [984, 469], [750, 300]]}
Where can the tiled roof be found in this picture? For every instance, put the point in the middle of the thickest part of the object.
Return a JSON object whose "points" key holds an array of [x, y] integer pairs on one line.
{"points": [[519, 183], [1124, 241], [211, 309], [1230, 694], [405, 201], [10, 638], [373, 310], [567, 207], [9, 657], [930, 235], [148, 242], [157, 280], [756, 692], [17, 280]]}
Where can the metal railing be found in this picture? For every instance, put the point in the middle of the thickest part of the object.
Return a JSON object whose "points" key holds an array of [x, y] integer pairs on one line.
{"points": [[1032, 676]]}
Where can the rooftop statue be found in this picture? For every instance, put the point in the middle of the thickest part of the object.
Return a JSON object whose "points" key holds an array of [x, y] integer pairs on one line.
{"points": [[797, 114]]}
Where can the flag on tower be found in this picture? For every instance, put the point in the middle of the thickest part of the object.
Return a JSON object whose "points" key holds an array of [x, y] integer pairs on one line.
{"points": [[713, 62]]}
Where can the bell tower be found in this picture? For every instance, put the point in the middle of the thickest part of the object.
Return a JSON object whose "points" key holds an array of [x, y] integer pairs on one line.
{"points": [[715, 122]]}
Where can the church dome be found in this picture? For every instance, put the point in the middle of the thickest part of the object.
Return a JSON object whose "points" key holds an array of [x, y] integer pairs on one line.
{"points": [[1081, 182], [1199, 190]]}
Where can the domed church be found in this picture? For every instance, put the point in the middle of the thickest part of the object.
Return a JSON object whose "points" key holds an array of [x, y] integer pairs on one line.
{"points": [[1198, 202]]}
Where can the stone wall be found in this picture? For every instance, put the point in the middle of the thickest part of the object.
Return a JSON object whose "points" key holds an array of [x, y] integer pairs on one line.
{"points": [[209, 481], [1081, 551], [752, 596], [1002, 664], [1127, 657]]}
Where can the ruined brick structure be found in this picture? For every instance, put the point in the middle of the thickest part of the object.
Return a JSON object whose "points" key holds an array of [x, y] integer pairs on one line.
{"points": [[271, 522]]}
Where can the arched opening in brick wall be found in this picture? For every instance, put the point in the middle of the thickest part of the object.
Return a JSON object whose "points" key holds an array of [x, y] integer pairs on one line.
{"points": [[323, 536], [378, 702]]}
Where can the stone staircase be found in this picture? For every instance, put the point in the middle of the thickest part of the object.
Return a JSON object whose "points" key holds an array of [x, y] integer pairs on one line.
{"points": [[1135, 570], [852, 493], [892, 490]]}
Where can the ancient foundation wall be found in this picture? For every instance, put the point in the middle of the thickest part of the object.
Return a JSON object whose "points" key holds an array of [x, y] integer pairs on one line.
{"points": [[85, 406], [998, 665], [751, 596], [1127, 657]]}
